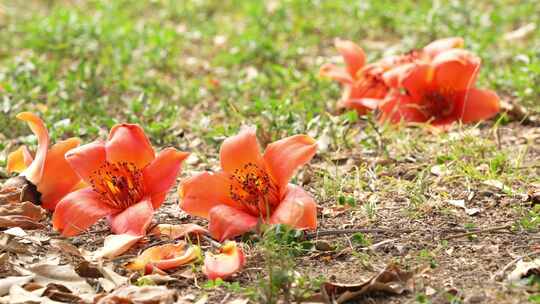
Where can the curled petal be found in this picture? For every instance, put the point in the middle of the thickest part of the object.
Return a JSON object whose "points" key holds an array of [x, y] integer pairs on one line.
{"points": [[285, 156], [438, 46], [86, 159], [195, 197], [128, 143], [239, 150], [160, 174], [336, 73], [229, 261], [455, 70], [352, 54], [226, 222], [177, 231], [116, 244], [18, 160], [133, 220], [479, 105], [34, 172], [298, 209], [79, 210], [166, 256], [58, 177], [394, 76]]}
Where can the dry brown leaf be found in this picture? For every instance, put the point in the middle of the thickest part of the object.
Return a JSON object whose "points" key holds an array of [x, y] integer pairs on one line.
{"points": [[111, 279], [60, 293], [27, 209], [177, 231], [524, 269], [392, 280], [65, 247], [139, 295], [6, 283], [17, 190], [116, 244], [65, 275]]}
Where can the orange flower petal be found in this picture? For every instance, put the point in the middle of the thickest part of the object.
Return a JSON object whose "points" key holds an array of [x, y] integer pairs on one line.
{"points": [[58, 177], [336, 73], [195, 197], [479, 105], [86, 159], [396, 108], [229, 261], [240, 149], [455, 70], [178, 231], [226, 222], [442, 45], [166, 256], [362, 105], [285, 156], [79, 210], [160, 175], [18, 160], [133, 220], [352, 54], [128, 143], [394, 76], [34, 172], [418, 80], [298, 209], [116, 244]]}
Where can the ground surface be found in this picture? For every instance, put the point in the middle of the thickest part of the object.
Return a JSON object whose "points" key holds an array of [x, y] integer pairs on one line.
{"points": [[192, 72]]}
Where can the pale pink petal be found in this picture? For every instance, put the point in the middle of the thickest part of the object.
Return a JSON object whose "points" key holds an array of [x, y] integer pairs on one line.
{"points": [[223, 265], [297, 209]]}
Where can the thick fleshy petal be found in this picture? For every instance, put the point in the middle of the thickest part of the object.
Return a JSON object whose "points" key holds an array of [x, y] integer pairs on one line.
{"points": [[128, 143], [297, 209], [58, 177], [134, 220], [160, 175], [166, 256], [226, 222], [352, 54], [86, 159], [18, 160], [397, 107], [455, 70], [442, 45], [79, 210], [34, 172], [204, 191], [336, 73], [229, 261], [479, 105], [285, 156], [418, 81], [239, 150]]}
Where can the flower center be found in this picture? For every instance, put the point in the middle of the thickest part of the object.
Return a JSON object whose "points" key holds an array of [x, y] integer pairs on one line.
{"points": [[252, 187], [119, 184], [437, 105], [370, 85]]}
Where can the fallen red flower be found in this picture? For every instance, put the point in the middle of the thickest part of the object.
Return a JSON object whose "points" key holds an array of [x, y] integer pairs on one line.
{"points": [[166, 256], [227, 262], [252, 187], [127, 182]]}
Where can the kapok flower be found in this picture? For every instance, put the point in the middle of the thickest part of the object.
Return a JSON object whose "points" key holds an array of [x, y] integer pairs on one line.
{"points": [[48, 171], [227, 262], [252, 187], [441, 92], [364, 86], [127, 182]]}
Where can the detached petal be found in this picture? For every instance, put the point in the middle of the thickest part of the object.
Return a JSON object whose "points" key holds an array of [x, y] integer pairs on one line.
{"points": [[18, 160], [229, 261], [352, 54], [86, 159], [204, 191], [134, 220], [166, 256], [298, 209], [128, 143], [438, 46], [116, 244], [239, 150], [58, 177], [285, 156], [79, 210], [226, 222], [34, 172], [336, 73], [479, 105], [455, 70], [160, 175]]}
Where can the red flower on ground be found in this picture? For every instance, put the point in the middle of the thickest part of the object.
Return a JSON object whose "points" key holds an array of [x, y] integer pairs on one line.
{"points": [[252, 187], [441, 92], [48, 171], [127, 182], [227, 262], [365, 86]]}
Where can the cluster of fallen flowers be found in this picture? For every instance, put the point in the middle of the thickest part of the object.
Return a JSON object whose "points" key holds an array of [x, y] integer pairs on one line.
{"points": [[123, 180], [433, 85]]}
